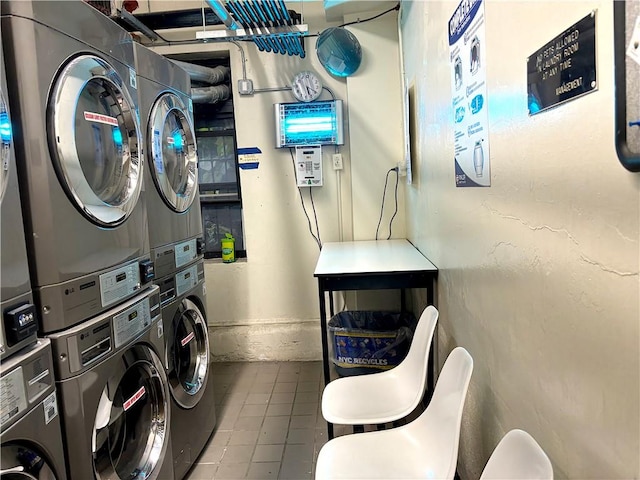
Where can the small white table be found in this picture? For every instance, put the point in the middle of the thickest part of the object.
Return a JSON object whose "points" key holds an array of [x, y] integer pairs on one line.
{"points": [[371, 265]]}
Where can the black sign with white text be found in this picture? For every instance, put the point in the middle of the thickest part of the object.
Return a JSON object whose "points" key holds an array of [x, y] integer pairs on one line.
{"points": [[564, 68]]}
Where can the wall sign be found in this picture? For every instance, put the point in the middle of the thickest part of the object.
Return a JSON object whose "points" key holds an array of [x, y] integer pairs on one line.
{"points": [[468, 56], [564, 68]]}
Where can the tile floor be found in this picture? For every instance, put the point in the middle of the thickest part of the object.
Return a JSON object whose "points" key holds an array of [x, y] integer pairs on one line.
{"points": [[269, 422]]}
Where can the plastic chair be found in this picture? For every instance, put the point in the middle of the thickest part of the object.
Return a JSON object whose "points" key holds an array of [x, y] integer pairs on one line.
{"points": [[424, 448], [388, 395], [518, 456]]}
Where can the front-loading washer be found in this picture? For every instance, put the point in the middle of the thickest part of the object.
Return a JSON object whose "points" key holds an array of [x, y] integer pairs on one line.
{"points": [[114, 398], [18, 324], [171, 173], [31, 438], [78, 149], [188, 361]]}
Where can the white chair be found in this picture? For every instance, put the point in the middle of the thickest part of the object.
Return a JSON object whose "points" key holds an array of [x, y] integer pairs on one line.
{"points": [[518, 457], [388, 395], [426, 448]]}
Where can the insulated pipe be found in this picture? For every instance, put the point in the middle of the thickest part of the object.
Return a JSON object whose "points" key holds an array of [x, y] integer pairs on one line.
{"points": [[198, 73], [215, 94]]}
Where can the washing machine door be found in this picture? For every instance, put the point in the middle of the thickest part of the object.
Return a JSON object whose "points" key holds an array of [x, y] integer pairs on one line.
{"points": [[95, 140], [130, 433], [188, 355], [21, 462], [173, 158], [5, 145]]}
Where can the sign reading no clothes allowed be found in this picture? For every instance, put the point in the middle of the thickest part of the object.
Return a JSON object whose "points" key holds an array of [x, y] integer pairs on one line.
{"points": [[469, 86]]}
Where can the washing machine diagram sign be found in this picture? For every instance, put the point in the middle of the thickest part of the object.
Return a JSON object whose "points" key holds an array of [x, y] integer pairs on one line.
{"points": [[50, 405], [13, 399], [467, 52]]}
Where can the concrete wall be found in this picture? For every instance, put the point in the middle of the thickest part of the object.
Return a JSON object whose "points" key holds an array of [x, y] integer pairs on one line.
{"points": [[538, 273], [266, 308]]}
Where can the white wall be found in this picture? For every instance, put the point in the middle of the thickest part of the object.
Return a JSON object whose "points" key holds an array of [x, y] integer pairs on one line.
{"points": [[538, 273], [267, 306]]}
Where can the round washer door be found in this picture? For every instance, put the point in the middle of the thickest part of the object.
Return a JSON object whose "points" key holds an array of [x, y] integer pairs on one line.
{"points": [[5, 145], [21, 462], [95, 138], [188, 354], [173, 158], [130, 432]]}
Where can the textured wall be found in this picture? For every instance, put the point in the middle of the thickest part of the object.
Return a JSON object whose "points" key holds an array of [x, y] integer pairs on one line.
{"points": [[539, 272]]}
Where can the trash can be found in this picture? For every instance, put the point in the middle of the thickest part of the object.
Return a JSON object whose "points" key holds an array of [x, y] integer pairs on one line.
{"points": [[365, 342]]}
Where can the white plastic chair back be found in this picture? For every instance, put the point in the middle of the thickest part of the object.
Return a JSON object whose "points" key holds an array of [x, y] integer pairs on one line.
{"points": [[422, 449], [518, 457], [388, 395]]}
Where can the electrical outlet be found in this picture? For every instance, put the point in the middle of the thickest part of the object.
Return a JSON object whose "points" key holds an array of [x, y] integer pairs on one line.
{"points": [[245, 86], [337, 161], [402, 169]]}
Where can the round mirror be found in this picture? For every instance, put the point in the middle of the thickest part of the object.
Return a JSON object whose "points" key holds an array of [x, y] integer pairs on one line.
{"points": [[339, 51]]}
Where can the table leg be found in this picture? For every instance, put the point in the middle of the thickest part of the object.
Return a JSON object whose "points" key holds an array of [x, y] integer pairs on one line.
{"points": [[325, 345]]}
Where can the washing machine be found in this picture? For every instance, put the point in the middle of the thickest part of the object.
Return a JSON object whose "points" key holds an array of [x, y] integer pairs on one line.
{"points": [[19, 324], [171, 176], [31, 437], [113, 393], [78, 149], [188, 362]]}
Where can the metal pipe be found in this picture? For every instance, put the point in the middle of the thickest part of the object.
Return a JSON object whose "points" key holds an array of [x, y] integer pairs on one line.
{"points": [[215, 94], [198, 73], [223, 14]]}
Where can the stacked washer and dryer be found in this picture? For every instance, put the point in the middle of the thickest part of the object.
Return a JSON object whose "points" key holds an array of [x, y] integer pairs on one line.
{"points": [[87, 197], [29, 421], [177, 245]]}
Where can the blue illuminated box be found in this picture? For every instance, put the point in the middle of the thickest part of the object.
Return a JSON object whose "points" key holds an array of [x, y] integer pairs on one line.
{"points": [[312, 123]]}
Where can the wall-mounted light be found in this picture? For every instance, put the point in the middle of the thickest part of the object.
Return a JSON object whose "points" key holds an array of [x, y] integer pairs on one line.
{"points": [[339, 51]]}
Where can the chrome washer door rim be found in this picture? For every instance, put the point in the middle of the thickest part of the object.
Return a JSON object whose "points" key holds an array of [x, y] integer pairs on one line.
{"points": [[188, 391], [111, 414], [90, 77], [178, 192]]}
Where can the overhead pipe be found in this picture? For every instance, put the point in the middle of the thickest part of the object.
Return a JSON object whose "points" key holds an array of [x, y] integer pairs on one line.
{"points": [[198, 73], [215, 94]]}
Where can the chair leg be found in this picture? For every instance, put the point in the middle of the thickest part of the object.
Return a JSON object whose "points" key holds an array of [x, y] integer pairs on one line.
{"points": [[358, 429]]}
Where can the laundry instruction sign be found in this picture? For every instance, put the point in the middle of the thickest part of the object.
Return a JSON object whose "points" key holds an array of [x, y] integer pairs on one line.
{"points": [[469, 86]]}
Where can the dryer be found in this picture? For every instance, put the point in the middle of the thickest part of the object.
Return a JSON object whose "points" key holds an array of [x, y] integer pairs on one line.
{"points": [[78, 149], [31, 439], [171, 176], [114, 398], [188, 361], [19, 324]]}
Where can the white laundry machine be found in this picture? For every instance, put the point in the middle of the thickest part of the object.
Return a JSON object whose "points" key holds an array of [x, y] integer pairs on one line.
{"points": [[171, 177], [31, 438], [114, 398], [78, 149], [188, 361], [19, 324]]}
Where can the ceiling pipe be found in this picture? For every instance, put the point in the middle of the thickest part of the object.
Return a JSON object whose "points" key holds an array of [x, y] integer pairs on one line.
{"points": [[198, 73], [215, 94]]}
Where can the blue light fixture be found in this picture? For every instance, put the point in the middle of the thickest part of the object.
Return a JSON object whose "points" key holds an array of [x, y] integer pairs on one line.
{"points": [[5, 128]]}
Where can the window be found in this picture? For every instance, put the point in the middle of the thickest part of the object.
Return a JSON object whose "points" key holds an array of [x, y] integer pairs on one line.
{"points": [[220, 197]]}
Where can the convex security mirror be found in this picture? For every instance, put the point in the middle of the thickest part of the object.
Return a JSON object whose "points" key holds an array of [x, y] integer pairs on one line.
{"points": [[339, 51]]}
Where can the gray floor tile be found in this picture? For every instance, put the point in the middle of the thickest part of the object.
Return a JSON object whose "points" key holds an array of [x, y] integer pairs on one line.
{"points": [[261, 388], [267, 377], [268, 453], [305, 408], [264, 471], [296, 471], [285, 387], [303, 421], [253, 410], [272, 436], [287, 377], [220, 437], [237, 454], [244, 437], [248, 423], [297, 453], [307, 397], [279, 409], [232, 472], [307, 387], [257, 398], [303, 436], [276, 423], [286, 397]]}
